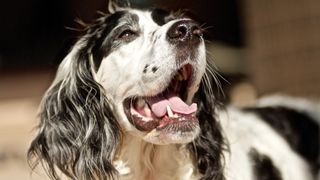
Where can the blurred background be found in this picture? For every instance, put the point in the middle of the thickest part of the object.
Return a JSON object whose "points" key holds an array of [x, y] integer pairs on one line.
{"points": [[260, 47]]}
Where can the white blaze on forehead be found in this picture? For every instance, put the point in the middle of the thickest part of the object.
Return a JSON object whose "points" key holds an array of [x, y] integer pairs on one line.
{"points": [[145, 18]]}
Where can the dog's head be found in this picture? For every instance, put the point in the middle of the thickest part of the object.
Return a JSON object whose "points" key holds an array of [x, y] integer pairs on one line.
{"points": [[150, 65], [134, 72]]}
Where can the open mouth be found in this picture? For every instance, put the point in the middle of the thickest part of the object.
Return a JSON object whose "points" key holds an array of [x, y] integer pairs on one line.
{"points": [[166, 110]]}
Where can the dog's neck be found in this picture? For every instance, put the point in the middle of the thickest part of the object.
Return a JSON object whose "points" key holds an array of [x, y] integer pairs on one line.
{"points": [[138, 159]]}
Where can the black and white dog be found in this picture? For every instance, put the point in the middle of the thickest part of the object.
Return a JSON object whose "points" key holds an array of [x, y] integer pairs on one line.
{"points": [[133, 101]]}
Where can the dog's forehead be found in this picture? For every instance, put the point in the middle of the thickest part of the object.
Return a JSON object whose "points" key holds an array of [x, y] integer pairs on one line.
{"points": [[161, 16], [148, 17], [154, 17], [144, 18]]}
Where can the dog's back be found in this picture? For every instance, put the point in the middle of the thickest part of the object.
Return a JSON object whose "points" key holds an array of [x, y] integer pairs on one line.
{"points": [[276, 140]]}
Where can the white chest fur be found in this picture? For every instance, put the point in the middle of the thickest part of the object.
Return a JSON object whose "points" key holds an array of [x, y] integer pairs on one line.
{"points": [[139, 160]]}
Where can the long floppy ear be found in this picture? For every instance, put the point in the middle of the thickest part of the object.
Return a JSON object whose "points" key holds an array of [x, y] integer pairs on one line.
{"points": [[78, 133], [208, 147]]}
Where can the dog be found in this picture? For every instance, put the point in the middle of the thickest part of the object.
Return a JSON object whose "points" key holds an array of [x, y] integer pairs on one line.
{"points": [[135, 99]]}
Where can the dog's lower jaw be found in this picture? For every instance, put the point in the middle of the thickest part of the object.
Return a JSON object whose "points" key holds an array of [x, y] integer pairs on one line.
{"points": [[167, 138], [157, 137], [140, 160]]}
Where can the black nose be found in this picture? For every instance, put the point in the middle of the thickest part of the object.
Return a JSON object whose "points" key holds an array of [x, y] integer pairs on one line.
{"points": [[184, 32]]}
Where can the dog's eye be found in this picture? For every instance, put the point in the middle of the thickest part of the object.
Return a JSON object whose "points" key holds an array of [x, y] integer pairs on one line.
{"points": [[126, 35]]}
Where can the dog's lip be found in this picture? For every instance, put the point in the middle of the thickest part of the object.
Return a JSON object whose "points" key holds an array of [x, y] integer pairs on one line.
{"points": [[141, 114]]}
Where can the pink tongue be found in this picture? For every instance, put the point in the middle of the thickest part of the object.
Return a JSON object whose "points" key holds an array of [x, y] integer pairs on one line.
{"points": [[159, 106]]}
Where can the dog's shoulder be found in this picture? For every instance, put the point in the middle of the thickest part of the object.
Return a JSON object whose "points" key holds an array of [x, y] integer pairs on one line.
{"points": [[276, 139]]}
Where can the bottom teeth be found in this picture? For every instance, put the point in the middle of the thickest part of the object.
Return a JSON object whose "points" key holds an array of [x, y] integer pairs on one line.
{"points": [[143, 110], [169, 111]]}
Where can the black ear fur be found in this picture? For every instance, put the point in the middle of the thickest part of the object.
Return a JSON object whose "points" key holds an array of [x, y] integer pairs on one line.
{"points": [[78, 132], [208, 147]]}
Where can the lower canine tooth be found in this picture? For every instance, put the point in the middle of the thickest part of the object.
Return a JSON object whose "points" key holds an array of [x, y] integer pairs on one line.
{"points": [[169, 111]]}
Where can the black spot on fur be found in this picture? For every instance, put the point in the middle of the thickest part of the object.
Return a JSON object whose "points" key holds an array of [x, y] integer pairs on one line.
{"points": [[160, 16], [263, 167], [145, 69], [154, 69], [299, 129]]}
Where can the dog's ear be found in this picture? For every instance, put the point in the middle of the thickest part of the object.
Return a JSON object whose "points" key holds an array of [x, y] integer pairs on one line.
{"points": [[78, 133], [208, 147], [117, 5]]}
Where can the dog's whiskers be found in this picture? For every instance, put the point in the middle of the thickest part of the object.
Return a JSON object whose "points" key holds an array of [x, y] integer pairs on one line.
{"points": [[216, 76], [204, 27]]}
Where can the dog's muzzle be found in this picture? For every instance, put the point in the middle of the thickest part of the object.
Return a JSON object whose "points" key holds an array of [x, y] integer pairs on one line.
{"points": [[185, 33], [167, 116]]}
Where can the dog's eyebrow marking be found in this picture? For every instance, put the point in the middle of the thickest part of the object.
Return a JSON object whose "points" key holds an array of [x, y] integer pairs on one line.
{"points": [[131, 19], [100, 32], [101, 43]]}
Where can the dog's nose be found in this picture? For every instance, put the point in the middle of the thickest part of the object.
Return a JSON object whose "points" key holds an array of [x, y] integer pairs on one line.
{"points": [[185, 31]]}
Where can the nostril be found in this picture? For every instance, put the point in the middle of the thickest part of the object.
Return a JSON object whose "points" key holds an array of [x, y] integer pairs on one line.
{"points": [[197, 31], [182, 30], [185, 31], [178, 32]]}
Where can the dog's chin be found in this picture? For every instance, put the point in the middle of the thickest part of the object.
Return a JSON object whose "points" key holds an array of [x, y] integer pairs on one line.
{"points": [[172, 136], [166, 118], [179, 129]]}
